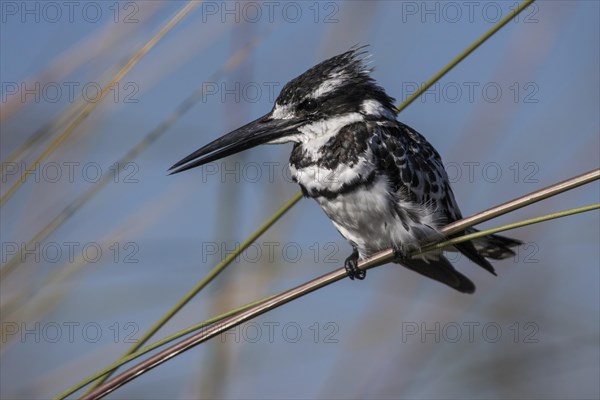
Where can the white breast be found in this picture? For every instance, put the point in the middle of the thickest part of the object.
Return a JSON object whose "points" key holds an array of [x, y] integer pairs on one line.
{"points": [[366, 217]]}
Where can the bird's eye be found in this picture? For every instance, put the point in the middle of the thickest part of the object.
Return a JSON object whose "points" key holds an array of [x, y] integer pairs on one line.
{"points": [[310, 105]]}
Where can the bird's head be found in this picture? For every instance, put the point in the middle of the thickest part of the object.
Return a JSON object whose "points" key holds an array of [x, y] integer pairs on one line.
{"points": [[335, 92]]}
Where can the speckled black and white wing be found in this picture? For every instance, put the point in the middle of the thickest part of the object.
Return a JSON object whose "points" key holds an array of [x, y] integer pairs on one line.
{"points": [[415, 169], [417, 175]]}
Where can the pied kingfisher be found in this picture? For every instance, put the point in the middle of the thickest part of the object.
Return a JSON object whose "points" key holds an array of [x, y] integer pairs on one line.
{"points": [[380, 182]]}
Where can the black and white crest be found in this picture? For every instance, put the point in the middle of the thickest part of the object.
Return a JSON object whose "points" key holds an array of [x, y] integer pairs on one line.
{"points": [[336, 86], [381, 183]]}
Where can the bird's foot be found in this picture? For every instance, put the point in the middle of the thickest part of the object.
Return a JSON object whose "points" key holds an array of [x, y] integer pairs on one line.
{"points": [[351, 265]]}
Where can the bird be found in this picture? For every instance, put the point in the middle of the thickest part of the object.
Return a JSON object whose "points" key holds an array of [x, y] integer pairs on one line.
{"points": [[382, 184]]}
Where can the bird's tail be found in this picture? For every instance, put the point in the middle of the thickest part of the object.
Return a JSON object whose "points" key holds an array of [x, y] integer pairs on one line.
{"points": [[492, 246], [496, 247], [442, 271]]}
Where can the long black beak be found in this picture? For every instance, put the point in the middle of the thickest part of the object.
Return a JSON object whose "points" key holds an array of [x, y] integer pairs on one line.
{"points": [[260, 131]]}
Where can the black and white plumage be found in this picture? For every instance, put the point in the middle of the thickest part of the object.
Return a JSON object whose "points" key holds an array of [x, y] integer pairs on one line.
{"points": [[380, 182]]}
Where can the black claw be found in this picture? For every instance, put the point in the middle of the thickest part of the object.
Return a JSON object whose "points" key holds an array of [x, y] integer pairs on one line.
{"points": [[351, 265]]}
